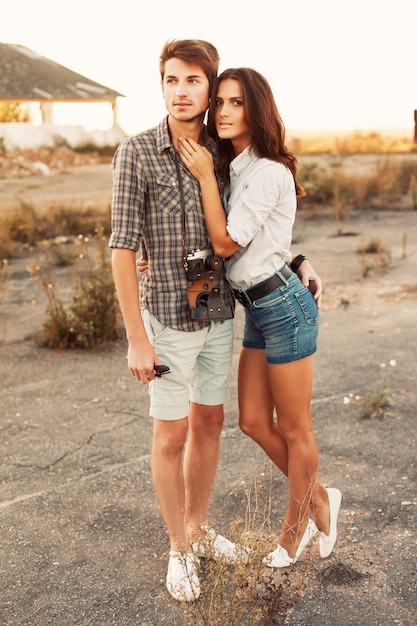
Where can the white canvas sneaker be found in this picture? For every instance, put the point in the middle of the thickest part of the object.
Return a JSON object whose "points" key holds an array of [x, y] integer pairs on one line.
{"points": [[216, 547], [182, 579], [280, 557]]}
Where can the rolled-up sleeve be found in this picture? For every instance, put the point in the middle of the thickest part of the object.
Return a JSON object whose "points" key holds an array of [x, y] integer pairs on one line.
{"points": [[127, 198]]}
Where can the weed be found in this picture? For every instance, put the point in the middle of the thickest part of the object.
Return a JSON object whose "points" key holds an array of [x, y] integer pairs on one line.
{"points": [[317, 183], [374, 256], [412, 190], [406, 174], [354, 143], [62, 253], [340, 203], [6, 243], [388, 183], [404, 244], [373, 405], [23, 225], [6, 272], [247, 593], [373, 246], [337, 183], [91, 320]]}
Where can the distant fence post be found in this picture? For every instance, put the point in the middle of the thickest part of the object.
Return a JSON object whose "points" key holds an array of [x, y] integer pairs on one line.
{"points": [[415, 126]]}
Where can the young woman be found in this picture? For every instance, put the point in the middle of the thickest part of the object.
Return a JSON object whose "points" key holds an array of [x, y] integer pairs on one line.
{"points": [[258, 175]]}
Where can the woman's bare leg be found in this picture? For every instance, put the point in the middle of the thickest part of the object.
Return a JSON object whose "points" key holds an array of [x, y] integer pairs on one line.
{"points": [[291, 385], [256, 407], [289, 442]]}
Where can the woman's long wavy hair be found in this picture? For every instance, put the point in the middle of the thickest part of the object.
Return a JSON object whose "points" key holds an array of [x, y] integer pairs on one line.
{"points": [[264, 121]]}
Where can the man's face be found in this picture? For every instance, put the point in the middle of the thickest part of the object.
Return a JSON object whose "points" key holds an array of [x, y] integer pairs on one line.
{"points": [[185, 88], [230, 117]]}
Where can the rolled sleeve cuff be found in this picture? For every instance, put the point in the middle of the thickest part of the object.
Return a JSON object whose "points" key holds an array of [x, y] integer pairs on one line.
{"points": [[241, 236], [118, 241]]}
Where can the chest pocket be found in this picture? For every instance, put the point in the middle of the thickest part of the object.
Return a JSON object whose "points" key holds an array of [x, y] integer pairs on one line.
{"points": [[169, 198]]}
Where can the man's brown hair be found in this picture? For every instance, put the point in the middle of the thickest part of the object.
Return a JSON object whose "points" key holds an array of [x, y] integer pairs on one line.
{"points": [[196, 51]]}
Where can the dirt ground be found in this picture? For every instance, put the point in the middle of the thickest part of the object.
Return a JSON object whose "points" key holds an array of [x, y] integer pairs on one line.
{"points": [[82, 540]]}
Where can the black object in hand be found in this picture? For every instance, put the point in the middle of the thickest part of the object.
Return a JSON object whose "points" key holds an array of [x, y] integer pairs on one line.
{"points": [[160, 370]]}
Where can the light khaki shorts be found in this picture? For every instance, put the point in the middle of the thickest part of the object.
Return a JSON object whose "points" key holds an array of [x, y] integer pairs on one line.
{"points": [[200, 363]]}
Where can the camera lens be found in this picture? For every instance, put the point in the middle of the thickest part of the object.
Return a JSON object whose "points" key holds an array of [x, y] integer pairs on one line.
{"points": [[213, 262]]}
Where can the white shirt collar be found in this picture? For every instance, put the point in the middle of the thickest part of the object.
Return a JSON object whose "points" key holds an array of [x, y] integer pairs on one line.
{"points": [[242, 160]]}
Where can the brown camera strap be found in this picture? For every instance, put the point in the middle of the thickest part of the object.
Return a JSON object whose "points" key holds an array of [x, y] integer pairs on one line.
{"points": [[182, 203]]}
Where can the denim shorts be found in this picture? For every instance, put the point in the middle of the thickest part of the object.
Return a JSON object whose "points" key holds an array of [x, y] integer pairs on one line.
{"points": [[200, 363], [284, 323]]}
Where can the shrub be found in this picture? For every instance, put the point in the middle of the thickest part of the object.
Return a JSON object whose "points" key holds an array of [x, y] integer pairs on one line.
{"points": [[374, 255], [317, 184], [407, 173], [373, 405], [6, 272], [248, 593], [14, 112], [23, 225], [91, 320]]}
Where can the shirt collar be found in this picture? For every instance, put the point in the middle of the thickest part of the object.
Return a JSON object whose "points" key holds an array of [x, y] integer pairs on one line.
{"points": [[163, 138], [242, 160]]}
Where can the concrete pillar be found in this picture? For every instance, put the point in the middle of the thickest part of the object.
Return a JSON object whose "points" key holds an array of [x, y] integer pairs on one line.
{"points": [[47, 112]]}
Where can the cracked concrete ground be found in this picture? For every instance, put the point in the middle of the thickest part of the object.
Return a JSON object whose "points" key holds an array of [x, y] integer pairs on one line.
{"points": [[82, 541]]}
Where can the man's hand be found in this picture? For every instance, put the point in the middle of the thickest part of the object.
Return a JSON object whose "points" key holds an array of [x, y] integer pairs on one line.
{"points": [[141, 360]]}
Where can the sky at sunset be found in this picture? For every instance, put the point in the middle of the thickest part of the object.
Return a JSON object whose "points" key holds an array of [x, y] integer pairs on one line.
{"points": [[332, 65]]}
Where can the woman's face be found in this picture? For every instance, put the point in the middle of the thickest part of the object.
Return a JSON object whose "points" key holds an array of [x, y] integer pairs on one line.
{"points": [[230, 115]]}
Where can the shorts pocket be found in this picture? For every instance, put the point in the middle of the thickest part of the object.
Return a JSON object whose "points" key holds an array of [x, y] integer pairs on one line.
{"points": [[307, 305], [272, 299], [153, 327]]}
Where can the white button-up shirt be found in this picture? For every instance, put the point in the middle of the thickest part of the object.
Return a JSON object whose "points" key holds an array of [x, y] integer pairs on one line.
{"points": [[260, 217]]}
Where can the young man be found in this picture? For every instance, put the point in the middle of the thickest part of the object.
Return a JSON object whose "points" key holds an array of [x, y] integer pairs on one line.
{"points": [[183, 314], [149, 185]]}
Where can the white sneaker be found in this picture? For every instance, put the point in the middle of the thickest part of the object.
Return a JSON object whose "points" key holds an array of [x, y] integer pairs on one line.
{"points": [[182, 580], [216, 547], [327, 542], [280, 557]]}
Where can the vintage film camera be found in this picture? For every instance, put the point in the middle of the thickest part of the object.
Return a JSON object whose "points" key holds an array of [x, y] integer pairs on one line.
{"points": [[204, 300]]}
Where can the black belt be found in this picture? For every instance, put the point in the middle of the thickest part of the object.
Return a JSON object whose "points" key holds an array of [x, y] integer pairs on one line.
{"points": [[263, 288]]}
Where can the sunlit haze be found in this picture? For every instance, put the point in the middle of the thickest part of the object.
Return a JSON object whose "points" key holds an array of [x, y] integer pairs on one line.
{"points": [[332, 65]]}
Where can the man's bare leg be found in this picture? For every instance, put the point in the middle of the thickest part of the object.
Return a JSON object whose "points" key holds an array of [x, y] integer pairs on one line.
{"points": [[167, 469], [200, 463]]}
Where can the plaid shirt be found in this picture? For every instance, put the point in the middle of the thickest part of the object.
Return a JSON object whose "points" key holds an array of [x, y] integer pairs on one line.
{"points": [[146, 213]]}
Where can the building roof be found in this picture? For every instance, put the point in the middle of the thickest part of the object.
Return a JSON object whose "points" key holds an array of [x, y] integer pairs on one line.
{"points": [[25, 76]]}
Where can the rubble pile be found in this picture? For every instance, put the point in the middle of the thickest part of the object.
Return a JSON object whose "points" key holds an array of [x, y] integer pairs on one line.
{"points": [[45, 161]]}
